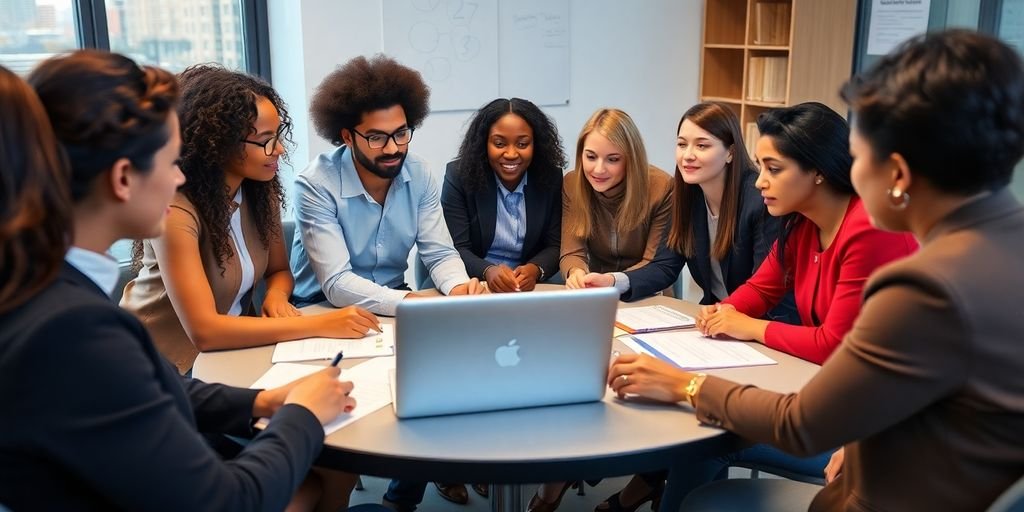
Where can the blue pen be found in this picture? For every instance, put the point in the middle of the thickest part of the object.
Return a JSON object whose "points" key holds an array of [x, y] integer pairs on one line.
{"points": [[337, 358]]}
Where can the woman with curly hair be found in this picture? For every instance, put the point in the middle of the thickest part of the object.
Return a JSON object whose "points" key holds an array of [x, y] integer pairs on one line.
{"points": [[502, 196], [194, 290]]}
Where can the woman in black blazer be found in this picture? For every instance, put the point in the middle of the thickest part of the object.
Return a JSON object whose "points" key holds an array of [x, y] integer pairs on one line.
{"points": [[510, 160], [94, 417]]}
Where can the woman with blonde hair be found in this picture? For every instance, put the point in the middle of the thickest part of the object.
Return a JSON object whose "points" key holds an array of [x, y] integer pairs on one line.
{"points": [[615, 205]]}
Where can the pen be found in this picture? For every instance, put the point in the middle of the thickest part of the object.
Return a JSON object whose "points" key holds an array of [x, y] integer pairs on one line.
{"points": [[337, 358]]}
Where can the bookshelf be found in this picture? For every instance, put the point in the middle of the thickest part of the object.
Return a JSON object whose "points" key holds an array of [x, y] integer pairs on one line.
{"points": [[761, 54]]}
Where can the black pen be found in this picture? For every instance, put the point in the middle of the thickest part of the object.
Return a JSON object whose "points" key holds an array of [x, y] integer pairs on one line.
{"points": [[337, 358]]}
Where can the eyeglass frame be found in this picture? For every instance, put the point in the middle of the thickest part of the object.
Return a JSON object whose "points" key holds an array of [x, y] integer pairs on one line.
{"points": [[389, 137], [275, 139]]}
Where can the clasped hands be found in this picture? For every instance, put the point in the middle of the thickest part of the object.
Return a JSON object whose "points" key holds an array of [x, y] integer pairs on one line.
{"points": [[502, 278], [724, 319]]}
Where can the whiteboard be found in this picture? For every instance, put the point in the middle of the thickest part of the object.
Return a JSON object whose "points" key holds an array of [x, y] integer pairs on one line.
{"points": [[473, 51], [534, 50]]}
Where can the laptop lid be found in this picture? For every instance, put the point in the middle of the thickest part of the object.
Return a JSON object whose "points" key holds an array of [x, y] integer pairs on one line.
{"points": [[502, 351]]}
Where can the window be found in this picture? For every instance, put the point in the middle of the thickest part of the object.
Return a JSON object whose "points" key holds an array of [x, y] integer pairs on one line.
{"points": [[172, 34], [34, 30]]}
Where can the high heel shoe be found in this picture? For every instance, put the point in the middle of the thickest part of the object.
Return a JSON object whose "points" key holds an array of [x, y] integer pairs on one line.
{"points": [[612, 504], [539, 505]]}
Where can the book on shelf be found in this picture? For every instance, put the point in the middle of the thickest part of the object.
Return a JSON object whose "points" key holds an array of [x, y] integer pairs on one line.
{"points": [[750, 135], [766, 78], [651, 319], [771, 23]]}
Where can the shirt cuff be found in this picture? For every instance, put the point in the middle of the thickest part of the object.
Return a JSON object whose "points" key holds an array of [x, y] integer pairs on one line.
{"points": [[621, 282]]}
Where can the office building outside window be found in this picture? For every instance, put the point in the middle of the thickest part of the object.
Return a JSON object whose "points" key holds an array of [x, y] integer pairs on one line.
{"points": [[33, 30]]}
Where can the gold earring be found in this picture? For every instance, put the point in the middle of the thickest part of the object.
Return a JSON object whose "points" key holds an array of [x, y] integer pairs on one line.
{"points": [[898, 199]]}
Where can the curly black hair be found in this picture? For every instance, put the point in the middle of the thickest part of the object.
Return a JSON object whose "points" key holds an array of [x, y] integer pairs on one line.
{"points": [[364, 85], [217, 111], [548, 155]]}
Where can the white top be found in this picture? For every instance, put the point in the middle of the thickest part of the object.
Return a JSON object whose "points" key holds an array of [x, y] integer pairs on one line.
{"points": [[244, 259]]}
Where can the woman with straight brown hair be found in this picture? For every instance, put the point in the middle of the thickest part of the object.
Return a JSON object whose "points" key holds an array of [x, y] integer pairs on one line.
{"points": [[615, 205]]}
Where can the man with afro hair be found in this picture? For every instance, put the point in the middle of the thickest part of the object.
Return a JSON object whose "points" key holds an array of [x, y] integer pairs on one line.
{"points": [[362, 206]]}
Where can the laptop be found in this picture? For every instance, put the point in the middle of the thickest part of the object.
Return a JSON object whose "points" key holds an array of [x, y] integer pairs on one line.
{"points": [[502, 351]]}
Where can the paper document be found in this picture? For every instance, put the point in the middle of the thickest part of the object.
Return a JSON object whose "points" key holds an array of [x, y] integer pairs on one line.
{"points": [[651, 318], [315, 349], [371, 385], [691, 350]]}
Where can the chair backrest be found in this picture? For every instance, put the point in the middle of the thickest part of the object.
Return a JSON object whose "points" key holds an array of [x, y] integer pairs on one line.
{"points": [[1012, 499]]}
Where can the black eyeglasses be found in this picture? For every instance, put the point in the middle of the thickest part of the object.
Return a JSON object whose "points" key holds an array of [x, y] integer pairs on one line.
{"points": [[402, 137], [268, 146]]}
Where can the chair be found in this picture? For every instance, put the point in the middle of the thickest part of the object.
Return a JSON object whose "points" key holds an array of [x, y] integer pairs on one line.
{"points": [[260, 290], [1012, 499], [422, 276], [757, 468], [762, 495]]}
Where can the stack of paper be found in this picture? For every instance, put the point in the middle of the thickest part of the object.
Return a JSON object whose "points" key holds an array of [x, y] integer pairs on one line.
{"points": [[317, 349], [691, 350], [651, 318], [370, 379]]}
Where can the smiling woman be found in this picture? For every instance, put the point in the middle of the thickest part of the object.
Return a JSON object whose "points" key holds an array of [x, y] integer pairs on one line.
{"points": [[502, 196], [224, 230]]}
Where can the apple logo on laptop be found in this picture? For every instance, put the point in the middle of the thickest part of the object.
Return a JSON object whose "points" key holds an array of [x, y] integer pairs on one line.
{"points": [[507, 355]]}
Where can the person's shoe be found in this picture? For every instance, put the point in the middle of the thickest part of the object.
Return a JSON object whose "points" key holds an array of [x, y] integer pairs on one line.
{"points": [[537, 504], [612, 504], [455, 493], [482, 490]]}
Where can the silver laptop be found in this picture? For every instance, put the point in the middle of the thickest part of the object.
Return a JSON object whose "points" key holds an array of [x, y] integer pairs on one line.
{"points": [[502, 351]]}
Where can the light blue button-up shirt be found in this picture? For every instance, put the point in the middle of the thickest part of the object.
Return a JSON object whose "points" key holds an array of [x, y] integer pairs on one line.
{"points": [[355, 250], [510, 228]]}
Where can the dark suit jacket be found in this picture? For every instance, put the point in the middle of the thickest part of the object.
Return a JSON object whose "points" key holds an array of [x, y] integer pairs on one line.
{"points": [[471, 218], [755, 234], [95, 419], [926, 389]]}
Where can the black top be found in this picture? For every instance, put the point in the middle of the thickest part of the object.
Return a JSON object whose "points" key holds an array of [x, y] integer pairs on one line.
{"points": [[95, 419], [471, 218], [753, 238]]}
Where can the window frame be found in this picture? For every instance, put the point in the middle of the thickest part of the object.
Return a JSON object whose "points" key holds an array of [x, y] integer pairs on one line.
{"points": [[93, 31]]}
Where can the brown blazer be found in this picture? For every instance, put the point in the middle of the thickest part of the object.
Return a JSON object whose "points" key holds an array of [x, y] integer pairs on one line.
{"points": [[627, 250], [926, 391], [146, 296]]}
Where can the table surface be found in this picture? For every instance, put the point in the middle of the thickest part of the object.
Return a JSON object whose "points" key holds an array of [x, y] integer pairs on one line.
{"points": [[597, 439]]}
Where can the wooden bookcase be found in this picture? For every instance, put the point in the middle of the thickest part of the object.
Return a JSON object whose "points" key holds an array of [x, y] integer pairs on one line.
{"points": [[761, 54]]}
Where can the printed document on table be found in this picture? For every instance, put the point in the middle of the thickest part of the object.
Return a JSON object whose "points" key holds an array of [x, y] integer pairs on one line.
{"points": [[691, 350], [313, 349], [651, 318], [372, 388]]}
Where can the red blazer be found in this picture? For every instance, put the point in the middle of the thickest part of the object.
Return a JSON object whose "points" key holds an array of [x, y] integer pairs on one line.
{"points": [[827, 284]]}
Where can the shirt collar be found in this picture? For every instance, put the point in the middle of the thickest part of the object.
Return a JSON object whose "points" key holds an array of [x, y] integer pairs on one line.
{"points": [[505, 192], [100, 268], [351, 185]]}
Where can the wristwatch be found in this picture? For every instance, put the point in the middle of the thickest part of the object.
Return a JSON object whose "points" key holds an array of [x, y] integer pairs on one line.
{"points": [[693, 388], [541, 269]]}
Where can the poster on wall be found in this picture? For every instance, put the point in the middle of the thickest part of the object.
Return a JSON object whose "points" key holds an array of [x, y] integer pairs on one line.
{"points": [[895, 21]]}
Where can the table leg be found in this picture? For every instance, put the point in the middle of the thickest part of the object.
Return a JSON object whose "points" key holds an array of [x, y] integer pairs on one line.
{"points": [[507, 498]]}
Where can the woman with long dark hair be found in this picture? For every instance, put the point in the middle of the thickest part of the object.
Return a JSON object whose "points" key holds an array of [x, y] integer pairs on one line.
{"points": [[502, 196]]}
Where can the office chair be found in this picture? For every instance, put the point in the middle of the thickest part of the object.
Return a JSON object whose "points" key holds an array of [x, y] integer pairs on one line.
{"points": [[762, 495]]}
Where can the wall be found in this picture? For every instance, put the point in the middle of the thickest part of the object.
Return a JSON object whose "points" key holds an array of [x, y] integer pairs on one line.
{"points": [[642, 57]]}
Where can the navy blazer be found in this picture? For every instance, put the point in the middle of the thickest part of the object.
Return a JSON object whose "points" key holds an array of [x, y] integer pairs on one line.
{"points": [[94, 418], [755, 234], [471, 218]]}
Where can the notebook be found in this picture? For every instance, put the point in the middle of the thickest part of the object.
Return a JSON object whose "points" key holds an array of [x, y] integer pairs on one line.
{"points": [[502, 351]]}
